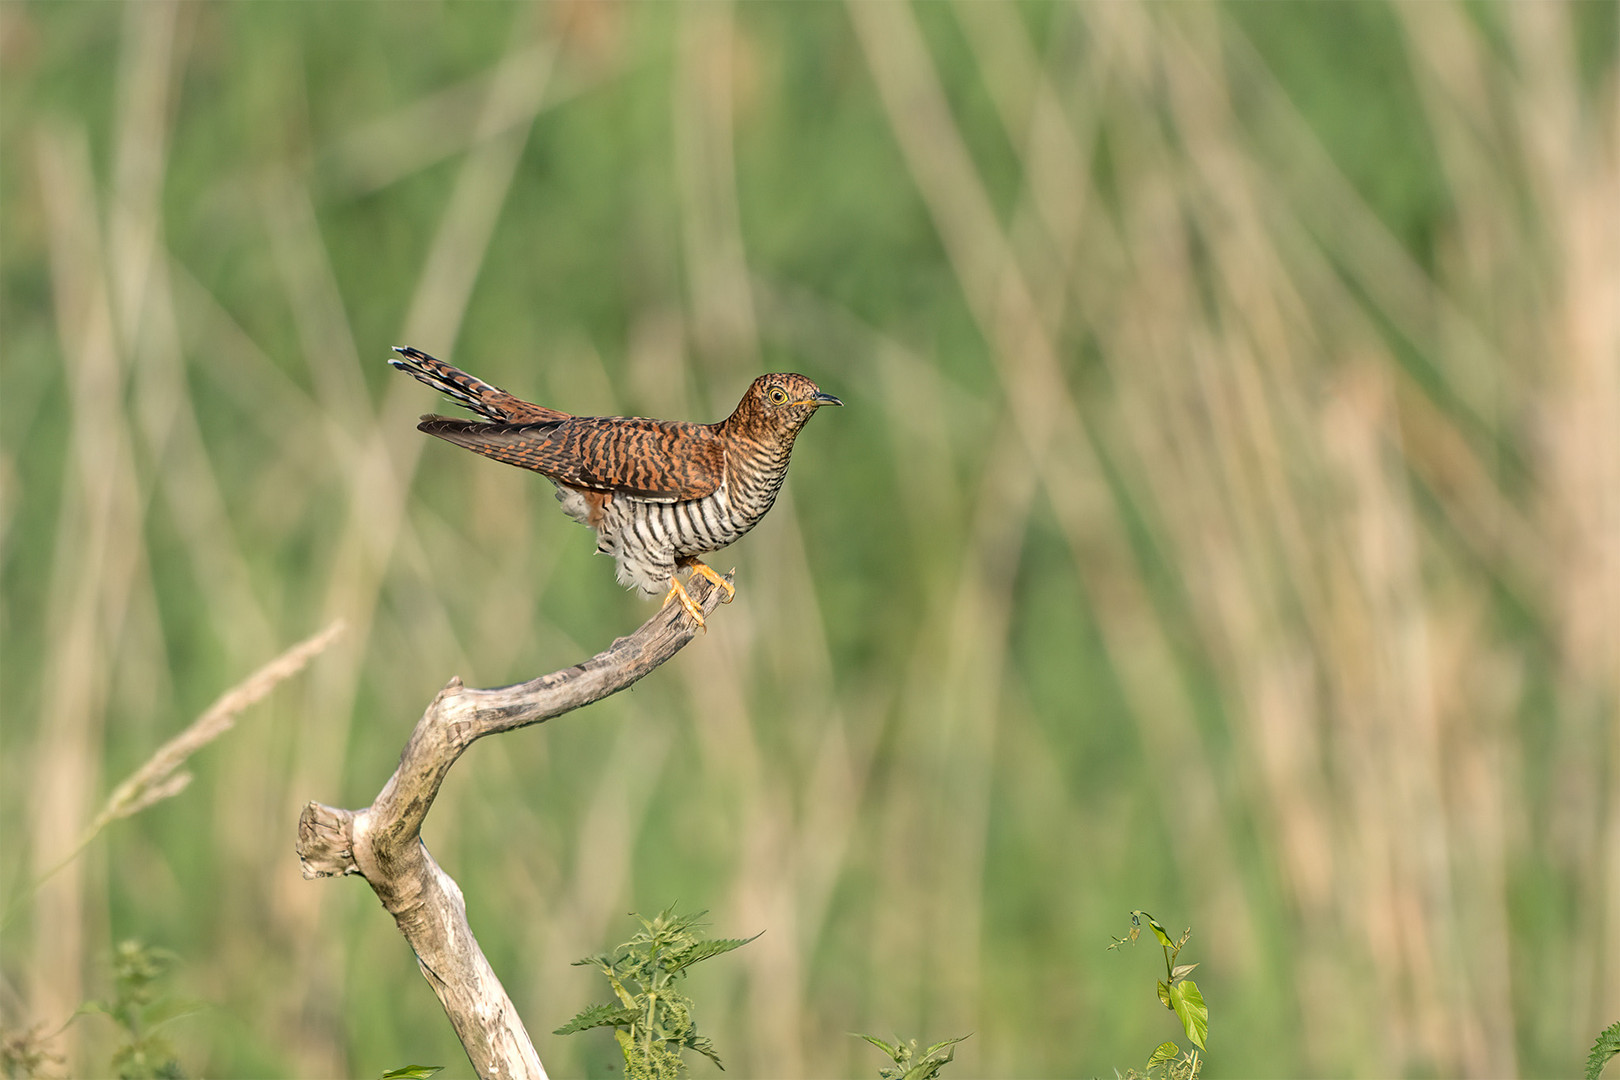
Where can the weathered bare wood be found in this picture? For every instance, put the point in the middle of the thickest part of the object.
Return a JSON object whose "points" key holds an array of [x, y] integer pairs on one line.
{"points": [[383, 842]]}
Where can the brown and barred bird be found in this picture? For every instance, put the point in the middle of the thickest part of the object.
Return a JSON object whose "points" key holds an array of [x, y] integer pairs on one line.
{"points": [[659, 493]]}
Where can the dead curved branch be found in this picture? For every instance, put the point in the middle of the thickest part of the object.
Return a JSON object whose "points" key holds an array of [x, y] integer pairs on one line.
{"points": [[383, 842]]}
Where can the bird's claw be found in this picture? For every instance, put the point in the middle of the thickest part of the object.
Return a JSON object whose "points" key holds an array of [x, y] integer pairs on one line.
{"points": [[703, 568], [678, 591]]}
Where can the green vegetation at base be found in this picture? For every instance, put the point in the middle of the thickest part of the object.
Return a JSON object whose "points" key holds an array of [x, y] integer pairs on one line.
{"points": [[141, 1008], [912, 1061], [651, 1020]]}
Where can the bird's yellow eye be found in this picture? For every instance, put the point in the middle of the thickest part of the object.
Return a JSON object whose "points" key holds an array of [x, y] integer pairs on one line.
{"points": [[778, 396]]}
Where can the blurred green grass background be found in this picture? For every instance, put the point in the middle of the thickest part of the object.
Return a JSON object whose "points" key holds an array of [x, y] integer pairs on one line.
{"points": [[1225, 520]]}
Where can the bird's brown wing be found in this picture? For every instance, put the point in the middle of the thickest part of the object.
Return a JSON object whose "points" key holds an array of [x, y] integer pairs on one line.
{"points": [[663, 460]]}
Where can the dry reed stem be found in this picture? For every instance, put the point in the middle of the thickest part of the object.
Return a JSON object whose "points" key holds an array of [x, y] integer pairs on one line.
{"points": [[1448, 459], [178, 460], [326, 343], [832, 792], [956, 719], [1260, 510], [723, 327], [607, 836], [444, 124], [1399, 676], [1242, 428], [92, 576], [515, 99], [898, 953], [1344, 224], [1572, 152], [1268, 501], [155, 779], [1053, 140], [998, 294], [100, 577]]}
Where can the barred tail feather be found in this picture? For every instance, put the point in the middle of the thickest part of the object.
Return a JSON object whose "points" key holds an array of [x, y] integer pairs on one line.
{"points": [[487, 401]]}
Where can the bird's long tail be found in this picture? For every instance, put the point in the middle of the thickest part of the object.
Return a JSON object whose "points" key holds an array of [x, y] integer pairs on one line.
{"points": [[488, 401]]}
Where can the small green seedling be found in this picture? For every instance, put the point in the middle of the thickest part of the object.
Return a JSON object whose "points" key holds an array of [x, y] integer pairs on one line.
{"points": [[1179, 994]]}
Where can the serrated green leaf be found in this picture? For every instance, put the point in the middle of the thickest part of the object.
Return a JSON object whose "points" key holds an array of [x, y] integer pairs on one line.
{"points": [[704, 1046], [1164, 995], [651, 1021], [703, 950], [1606, 1047], [1167, 1051], [412, 1072], [597, 1016], [1191, 1010]]}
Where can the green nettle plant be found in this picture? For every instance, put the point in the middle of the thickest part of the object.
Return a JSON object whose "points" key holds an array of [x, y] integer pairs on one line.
{"points": [[140, 1009], [911, 1060], [1180, 995], [652, 1021], [1607, 1045]]}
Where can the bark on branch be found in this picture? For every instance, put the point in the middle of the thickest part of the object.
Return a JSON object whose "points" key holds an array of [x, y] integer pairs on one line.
{"points": [[383, 842]]}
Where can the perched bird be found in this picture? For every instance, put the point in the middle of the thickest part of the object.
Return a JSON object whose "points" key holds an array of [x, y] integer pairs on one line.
{"points": [[659, 493]]}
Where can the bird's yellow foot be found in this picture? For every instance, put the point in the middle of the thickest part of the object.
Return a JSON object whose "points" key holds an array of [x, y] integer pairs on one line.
{"points": [[678, 591], [703, 568]]}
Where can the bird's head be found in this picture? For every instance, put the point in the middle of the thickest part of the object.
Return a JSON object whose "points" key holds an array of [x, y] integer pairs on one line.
{"points": [[780, 403]]}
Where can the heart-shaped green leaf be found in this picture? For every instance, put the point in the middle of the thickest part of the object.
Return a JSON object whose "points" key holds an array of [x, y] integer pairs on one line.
{"points": [[1189, 1006]]}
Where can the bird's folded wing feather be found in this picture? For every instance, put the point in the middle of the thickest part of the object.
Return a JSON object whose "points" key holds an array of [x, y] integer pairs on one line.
{"points": [[664, 460]]}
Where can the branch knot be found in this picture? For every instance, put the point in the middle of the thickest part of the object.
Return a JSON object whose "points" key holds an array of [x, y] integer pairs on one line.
{"points": [[326, 841]]}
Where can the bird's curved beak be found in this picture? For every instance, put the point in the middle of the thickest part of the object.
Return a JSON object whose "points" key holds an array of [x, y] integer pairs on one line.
{"points": [[824, 399]]}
